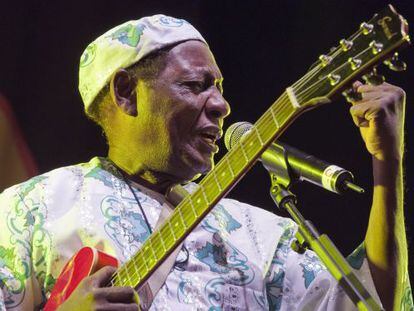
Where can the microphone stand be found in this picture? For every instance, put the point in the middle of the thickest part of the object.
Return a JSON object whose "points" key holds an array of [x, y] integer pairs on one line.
{"points": [[308, 237]]}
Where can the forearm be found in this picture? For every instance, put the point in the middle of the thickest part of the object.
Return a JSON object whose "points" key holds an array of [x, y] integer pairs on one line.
{"points": [[385, 240]]}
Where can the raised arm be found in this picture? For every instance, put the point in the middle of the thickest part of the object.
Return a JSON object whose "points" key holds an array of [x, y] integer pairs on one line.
{"points": [[380, 118]]}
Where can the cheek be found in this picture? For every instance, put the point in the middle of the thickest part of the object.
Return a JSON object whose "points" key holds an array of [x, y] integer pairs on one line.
{"points": [[182, 122]]}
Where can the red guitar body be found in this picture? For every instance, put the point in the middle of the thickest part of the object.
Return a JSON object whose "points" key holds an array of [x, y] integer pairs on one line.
{"points": [[82, 264]]}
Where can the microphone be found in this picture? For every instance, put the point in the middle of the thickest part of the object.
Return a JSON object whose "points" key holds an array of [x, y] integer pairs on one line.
{"points": [[302, 166]]}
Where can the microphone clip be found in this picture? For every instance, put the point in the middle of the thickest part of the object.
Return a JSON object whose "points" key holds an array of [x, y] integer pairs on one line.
{"points": [[278, 167]]}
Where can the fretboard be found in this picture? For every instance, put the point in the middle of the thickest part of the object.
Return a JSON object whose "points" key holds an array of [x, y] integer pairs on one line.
{"points": [[215, 185]]}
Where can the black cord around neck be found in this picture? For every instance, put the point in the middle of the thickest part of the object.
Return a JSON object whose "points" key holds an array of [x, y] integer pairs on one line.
{"points": [[179, 264], [136, 199]]}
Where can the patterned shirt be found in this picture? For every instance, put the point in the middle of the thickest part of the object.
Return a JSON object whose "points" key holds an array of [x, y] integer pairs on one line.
{"points": [[238, 258]]}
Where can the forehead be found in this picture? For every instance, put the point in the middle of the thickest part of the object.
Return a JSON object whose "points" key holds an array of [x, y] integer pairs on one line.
{"points": [[192, 57]]}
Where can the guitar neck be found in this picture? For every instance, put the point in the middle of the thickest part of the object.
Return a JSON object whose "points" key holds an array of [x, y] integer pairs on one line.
{"points": [[215, 185], [373, 42]]}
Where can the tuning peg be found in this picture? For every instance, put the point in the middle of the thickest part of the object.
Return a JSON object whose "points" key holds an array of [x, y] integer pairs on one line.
{"points": [[373, 77], [346, 44], [325, 59], [351, 95], [376, 47], [366, 28], [394, 63], [354, 62], [334, 78]]}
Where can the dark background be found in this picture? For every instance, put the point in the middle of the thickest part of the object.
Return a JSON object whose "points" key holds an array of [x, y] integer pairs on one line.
{"points": [[261, 46]]}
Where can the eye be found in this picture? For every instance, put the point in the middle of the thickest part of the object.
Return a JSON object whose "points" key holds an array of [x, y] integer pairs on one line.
{"points": [[195, 86]]}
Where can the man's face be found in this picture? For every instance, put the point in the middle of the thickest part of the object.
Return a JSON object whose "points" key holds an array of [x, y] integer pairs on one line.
{"points": [[181, 113]]}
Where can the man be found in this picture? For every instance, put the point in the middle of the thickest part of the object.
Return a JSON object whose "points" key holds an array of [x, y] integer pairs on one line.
{"points": [[156, 91]]}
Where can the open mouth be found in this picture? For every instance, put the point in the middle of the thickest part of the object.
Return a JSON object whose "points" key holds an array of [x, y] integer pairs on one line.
{"points": [[209, 138], [209, 135]]}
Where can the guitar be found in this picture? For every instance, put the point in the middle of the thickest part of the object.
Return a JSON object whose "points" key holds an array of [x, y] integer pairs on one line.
{"points": [[375, 41]]}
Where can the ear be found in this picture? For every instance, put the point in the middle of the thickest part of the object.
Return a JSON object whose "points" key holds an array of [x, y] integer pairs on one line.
{"points": [[122, 87]]}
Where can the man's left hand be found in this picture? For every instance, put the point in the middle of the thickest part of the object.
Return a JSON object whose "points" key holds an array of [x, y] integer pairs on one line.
{"points": [[380, 118]]}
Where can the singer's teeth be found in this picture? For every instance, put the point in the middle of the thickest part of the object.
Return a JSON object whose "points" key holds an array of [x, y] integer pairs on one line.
{"points": [[209, 138]]}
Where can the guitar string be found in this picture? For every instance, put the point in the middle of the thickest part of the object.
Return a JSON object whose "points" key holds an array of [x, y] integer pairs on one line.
{"points": [[126, 181], [300, 82], [337, 51], [309, 89], [120, 172]]}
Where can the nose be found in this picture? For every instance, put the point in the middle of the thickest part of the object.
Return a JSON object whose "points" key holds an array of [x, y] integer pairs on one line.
{"points": [[216, 106]]}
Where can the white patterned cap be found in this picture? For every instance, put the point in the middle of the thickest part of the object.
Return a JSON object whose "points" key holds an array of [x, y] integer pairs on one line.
{"points": [[126, 45]]}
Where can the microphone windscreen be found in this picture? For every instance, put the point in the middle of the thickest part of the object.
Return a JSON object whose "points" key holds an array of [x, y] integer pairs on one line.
{"points": [[235, 132]]}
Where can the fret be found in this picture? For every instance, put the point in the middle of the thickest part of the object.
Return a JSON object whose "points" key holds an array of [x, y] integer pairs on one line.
{"points": [[216, 180], [172, 230], [192, 207], [274, 116], [285, 115], [229, 166], [211, 188], [204, 195], [131, 267], [151, 246], [148, 258], [128, 278], [244, 152], [222, 175], [177, 224], [122, 279], [198, 205], [165, 231], [180, 212], [145, 258], [157, 245], [158, 233], [188, 216], [138, 276], [250, 146], [259, 136]]}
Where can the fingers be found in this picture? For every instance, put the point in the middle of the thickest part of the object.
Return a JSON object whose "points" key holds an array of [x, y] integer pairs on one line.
{"points": [[368, 90], [377, 101], [102, 277], [116, 294], [375, 88], [363, 112]]}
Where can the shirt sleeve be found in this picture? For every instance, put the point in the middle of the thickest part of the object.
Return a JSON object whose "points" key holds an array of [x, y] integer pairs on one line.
{"points": [[18, 286], [301, 281]]}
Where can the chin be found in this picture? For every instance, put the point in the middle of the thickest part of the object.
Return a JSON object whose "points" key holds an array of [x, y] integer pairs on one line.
{"points": [[193, 163], [195, 169]]}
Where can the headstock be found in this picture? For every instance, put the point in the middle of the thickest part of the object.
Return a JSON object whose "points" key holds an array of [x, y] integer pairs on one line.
{"points": [[376, 40]]}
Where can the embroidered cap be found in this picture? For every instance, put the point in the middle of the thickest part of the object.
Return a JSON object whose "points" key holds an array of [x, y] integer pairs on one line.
{"points": [[126, 45]]}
